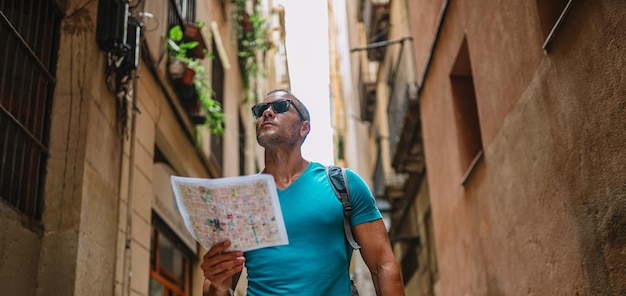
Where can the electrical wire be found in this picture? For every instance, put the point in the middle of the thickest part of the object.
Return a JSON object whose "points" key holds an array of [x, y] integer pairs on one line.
{"points": [[131, 7]]}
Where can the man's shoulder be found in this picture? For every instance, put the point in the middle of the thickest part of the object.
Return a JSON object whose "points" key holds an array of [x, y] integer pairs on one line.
{"points": [[324, 166], [349, 172], [317, 166]]}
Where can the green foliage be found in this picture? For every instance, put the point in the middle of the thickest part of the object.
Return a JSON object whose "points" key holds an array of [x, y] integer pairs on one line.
{"points": [[252, 38], [215, 114], [178, 49]]}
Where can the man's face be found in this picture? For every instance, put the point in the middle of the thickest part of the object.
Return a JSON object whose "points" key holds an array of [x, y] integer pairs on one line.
{"points": [[280, 127]]}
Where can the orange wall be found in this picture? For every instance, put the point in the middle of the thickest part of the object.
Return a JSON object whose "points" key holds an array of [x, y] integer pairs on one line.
{"points": [[543, 212]]}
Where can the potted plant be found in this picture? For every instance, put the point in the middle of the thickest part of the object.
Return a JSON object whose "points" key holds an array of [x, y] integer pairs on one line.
{"points": [[190, 82], [179, 59], [214, 113], [193, 33], [250, 27]]}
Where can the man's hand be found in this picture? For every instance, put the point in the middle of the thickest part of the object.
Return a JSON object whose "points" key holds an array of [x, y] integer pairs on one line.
{"points": [[219, 267]]}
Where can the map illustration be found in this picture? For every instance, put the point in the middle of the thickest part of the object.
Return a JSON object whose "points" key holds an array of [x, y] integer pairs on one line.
{"points": [[243, 209]]}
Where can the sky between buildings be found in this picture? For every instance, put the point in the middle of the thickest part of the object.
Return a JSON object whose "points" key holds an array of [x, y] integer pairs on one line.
{"points": [[306, 25]]}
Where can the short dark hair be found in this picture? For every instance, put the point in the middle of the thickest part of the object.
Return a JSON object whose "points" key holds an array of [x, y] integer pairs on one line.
{"points": [[301, 106]]}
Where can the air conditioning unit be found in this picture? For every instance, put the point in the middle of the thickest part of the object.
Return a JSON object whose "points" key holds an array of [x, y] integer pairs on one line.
{"points": [[112, 24]]}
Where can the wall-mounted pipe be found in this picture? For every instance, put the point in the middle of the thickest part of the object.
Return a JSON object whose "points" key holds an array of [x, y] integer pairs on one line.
{"points": [[130, 194]]}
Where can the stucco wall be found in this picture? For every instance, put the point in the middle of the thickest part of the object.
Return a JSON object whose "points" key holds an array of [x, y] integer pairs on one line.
{"points": [[543, 211], [79, 248], [82, 177], [19, 254]]}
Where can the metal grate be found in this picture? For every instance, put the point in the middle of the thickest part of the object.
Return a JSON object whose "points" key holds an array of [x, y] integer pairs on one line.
{"points": [[401, 80], [181, 12], [29, 30]]}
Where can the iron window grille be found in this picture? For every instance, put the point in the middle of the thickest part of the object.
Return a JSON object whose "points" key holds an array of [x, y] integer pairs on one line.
{"points": [[30, 33], [181, 12]]}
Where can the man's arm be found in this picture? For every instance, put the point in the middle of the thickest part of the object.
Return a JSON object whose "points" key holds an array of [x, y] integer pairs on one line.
{"points": [[378, 256]]}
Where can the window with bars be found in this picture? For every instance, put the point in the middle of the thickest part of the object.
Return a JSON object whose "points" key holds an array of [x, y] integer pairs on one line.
{"points": [[181, 12], [30, 37]]}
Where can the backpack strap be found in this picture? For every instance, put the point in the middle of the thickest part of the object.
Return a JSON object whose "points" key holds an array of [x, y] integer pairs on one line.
{"points": [[339, 181]]}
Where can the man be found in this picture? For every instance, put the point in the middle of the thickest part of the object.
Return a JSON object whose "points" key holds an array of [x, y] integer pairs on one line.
{"points": [[317, 258]]}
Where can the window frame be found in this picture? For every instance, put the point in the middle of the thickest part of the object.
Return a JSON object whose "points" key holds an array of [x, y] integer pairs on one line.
{"points": [[158, 272]]}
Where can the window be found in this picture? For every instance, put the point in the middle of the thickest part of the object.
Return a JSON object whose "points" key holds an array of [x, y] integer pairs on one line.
{"points": [[466, 111], [217, 83], [242, 147], [172, 248], [27, 81], [181, 12], [170, 262]]}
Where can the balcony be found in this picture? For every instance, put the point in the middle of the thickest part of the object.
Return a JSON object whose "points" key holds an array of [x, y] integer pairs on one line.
{"points": [[367, 86], [375, 17], [405, 136], [390, 186], [409, 152], [394, 186]]}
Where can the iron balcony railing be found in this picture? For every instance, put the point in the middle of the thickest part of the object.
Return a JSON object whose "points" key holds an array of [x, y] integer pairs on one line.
{"points": [[403, 88]]}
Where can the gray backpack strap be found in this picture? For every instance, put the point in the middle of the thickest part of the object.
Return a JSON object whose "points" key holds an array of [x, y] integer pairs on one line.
{"points": [[339, 181]]}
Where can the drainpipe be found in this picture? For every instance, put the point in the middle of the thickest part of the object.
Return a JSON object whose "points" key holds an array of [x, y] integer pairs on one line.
{"points": [[130, 96], [126, 258], [122, 80], [130, 196], [119, 215]]}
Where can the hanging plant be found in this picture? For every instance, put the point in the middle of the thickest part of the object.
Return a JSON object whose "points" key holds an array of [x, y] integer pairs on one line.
{"points": [[178, 57], [193, 32], [179, 50], [252, 38]]}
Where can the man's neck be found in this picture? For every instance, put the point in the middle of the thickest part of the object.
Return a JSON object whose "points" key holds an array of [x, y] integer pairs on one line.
{"points": [[284, 167]]}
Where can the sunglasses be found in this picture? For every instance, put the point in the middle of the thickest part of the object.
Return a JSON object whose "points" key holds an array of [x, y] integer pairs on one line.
{"points": [[278, 106]]}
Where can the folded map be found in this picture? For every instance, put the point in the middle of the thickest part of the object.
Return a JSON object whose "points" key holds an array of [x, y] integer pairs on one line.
{"points": [[243, 209]]}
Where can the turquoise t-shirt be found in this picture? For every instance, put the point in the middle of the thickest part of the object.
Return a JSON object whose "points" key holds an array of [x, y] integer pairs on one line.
{"points": [[317, 258]]}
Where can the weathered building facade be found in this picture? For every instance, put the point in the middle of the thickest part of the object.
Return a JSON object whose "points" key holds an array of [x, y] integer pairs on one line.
{"points": [[92, 124], [522, 108], [373, 74], [517, 115]]}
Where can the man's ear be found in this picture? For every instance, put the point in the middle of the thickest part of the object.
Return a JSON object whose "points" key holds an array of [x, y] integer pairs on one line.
{"points": [[305, 129]]}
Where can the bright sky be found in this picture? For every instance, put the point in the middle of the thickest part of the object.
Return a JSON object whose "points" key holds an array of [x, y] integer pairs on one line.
{"points": [[306, 24]]}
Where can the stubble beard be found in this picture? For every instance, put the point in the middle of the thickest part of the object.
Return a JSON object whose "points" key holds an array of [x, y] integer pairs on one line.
{"points": [[278, 139]]}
